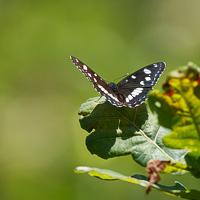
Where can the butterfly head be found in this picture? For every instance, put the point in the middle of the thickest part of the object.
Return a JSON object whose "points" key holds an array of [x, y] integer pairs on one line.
{"points": [[113, 86]]}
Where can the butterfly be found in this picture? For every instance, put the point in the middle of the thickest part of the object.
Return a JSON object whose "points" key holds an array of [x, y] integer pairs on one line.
{"points": [[131, 91]]}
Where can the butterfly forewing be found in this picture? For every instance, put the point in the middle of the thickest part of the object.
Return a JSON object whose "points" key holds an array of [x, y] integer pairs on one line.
{"points": [[99, 84], [136, 86], [145, 77]]}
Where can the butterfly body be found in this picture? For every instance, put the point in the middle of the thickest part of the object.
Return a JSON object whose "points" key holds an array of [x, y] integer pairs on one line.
{"points": [[113, 86], [131, 91]]}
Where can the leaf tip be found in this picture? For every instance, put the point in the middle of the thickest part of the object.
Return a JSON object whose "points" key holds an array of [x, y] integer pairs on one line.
{"points": [[82, 169]]}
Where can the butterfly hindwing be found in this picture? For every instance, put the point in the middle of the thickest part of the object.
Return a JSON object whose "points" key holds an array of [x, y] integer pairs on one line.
{"points": [[135, 96]]}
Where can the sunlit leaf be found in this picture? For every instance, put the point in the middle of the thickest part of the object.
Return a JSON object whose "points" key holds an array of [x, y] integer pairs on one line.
{"points": [[179, 109], [177, 190], [123, 131], [176, 168]]}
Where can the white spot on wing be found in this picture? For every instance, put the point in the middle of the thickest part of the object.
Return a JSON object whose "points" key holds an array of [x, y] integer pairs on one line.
{"points": [[84, 67], [137, 90], [89, 75], [141, 82], [130, 97], [155, 65], [134, 94], [133, 77], [127, 99], [115, 98], [101, 88], [147, 78], [110, 95], [147, 71]]}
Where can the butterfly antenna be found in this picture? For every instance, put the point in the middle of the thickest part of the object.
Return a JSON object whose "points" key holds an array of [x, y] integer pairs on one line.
{"points": [[121, 77]]}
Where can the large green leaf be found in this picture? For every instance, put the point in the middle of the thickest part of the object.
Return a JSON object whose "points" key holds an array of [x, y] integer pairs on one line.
{"points": [[179, 109], [177, 190], [123, 131]]}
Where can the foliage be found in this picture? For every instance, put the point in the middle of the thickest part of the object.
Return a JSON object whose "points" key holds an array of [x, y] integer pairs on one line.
{"points": [[170, 132], [177, 190], [183, 113], [122, 131]]}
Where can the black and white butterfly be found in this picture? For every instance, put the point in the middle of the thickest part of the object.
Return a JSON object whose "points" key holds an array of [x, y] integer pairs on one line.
{"points": [[131, 91]]}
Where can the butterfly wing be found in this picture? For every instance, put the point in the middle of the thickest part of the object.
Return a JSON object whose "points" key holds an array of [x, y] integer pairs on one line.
{"points": [[136, 86], [134, 96], [144, 77], [99, 84]]}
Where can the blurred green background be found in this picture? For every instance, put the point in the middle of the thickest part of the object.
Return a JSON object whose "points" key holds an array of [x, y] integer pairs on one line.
{"points": [[41, 141]]}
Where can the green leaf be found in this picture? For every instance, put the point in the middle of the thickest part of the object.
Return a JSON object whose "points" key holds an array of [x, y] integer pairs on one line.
{"points": [[101, 115], [179, 109], [124, 131], [177, 168], [190, 71], [146, 150], [177, 190]]}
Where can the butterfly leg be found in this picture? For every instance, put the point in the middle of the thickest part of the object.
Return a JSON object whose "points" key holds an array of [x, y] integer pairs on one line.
{"points": [[98, 99]]}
